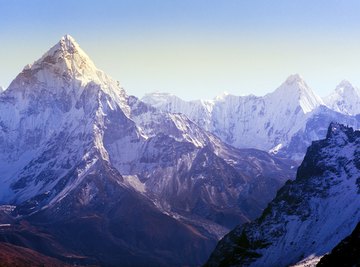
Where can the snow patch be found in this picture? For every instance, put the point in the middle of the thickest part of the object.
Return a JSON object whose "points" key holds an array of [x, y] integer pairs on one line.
{"points": [[134, 182], [309, 261], [275, 149]]}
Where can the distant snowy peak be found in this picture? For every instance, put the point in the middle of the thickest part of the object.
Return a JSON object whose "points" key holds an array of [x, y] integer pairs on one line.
{"points": [[295, 92], [197, 110], [159, 99], [346, 88], [1, 89], [249, 121], [345, 99], [221, 96], [292, 93]]}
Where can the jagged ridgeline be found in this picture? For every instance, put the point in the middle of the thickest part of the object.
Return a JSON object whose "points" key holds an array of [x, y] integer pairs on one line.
{"points": [[309, 216], [283, 122], [90, 175]]}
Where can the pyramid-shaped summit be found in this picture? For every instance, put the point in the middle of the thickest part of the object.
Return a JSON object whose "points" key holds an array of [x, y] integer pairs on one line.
{"points": [[344, 99], [65, 46], [296, 92], [68, 42], [64, 69], [294, 78], [67, 58]]}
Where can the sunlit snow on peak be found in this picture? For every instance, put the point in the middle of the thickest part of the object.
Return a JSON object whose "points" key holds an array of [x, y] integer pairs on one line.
{"points": [[345, 99]]}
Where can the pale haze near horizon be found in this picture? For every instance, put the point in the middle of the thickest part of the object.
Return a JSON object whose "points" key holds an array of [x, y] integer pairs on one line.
{"points": [[193, 49]]}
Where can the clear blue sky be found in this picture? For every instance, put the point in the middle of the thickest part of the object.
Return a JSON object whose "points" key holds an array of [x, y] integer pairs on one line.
{"points": [[192, 48]]}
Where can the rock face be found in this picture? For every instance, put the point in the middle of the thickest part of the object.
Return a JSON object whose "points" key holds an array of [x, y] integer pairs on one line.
{"points": [[93, 173], [279, 122], [346, 253], [309, 215]]}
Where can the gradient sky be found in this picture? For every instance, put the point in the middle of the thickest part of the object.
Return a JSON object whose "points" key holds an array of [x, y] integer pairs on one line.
{"points": [[192, 48]]}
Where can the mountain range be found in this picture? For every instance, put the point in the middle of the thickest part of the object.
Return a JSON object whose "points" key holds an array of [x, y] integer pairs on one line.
{"points": [[283, 122], [91, 175]]}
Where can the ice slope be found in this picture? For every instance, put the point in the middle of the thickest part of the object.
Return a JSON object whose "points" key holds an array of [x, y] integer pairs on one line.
{"points": [[309, 215], [345, 99]]}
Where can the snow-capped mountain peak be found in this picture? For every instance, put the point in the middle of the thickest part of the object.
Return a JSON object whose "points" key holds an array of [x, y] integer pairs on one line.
{"points": [[197, 110], [67, 46], [66, 58], [345, 86], [67, 43], [222, 96], [345, 98], [157, 99], [65, 70], [297, 92], [250, 121], [295, 78], [68, 40]]}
